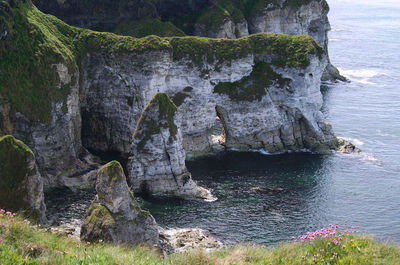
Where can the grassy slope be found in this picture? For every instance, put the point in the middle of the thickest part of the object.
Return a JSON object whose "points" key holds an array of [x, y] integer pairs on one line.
{"points": [[21, 243], [36, 42], [149, 26]]}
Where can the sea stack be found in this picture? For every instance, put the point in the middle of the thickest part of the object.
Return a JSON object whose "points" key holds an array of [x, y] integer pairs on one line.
{"points": [[157, 165], [114, 215]]}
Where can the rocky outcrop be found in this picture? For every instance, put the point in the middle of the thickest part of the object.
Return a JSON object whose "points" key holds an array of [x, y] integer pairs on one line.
{"points": [[157, 164], [346, 147], [309, 17], [181, 240], [268, 98], [115, 215], [75, 89], [20, 181]]}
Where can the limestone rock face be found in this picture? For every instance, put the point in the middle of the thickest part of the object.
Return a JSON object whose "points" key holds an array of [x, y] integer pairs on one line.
{"points": [[115, 215], [228, 29], [20, 181], [157, 164], [310, 18], [284, 116]]}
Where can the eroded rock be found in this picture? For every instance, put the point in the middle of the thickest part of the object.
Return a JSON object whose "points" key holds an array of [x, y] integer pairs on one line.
{"points": [[114, 215], [157, 164], [181, 240], [346, 147], [21, 185]]}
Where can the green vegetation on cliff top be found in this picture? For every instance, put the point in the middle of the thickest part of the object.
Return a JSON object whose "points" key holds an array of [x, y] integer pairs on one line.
{"points": [[21, 243], [38, 42], [149, 26]]}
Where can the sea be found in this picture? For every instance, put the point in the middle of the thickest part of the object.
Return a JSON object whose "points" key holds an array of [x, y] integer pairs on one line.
{"points": [[268, 199]]}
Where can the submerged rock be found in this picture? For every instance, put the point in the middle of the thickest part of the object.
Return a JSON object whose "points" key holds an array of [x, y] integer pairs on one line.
{"points": [[115, 215], [21, 186], [158, 161]]}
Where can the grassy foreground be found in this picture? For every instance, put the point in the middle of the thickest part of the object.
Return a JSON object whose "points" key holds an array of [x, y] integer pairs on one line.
{"points": [[23, 243]]}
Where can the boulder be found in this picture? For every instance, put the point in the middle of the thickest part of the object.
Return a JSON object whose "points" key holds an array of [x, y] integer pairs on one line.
{"points": [[158, 161], [20, 181], [114, 215]]}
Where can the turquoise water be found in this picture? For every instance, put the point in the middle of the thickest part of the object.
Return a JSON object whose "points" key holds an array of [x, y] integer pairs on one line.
{"points": [[316, 190]]}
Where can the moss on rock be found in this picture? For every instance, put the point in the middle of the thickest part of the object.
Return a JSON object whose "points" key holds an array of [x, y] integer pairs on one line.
{"points": [[179, 98], [112, 169], [254, 86], [98, 224], [285, 50], [17, 165], [149, 125], [149, 26]]}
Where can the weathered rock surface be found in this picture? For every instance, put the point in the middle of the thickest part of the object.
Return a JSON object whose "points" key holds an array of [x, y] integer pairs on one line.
{"points": [[347, 147], [157, 164], [21, 185], [283, 113], [115, 215], [181, 240]]}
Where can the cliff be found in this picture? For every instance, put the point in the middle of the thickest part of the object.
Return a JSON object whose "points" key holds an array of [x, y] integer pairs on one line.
{"points": [[205, 18], [64, 90]]}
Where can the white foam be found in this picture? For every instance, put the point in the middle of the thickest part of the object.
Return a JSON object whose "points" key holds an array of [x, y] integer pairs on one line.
{"points": [[361, 76], [354, 141]]}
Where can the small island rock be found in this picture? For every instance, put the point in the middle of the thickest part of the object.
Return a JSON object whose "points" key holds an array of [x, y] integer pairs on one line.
{"points": [[158, 161]]}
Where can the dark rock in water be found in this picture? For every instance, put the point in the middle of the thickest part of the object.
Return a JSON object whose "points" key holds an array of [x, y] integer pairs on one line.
{"points": [[158, 161], [115, 215], [266, 190], [21, 185], [346, 147]]}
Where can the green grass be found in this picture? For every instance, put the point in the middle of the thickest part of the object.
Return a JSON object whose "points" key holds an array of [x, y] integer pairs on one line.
{"points": [[149, 26], [21, 243]]}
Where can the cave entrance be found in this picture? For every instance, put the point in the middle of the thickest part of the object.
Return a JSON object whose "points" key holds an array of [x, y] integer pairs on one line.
{"points": [[218, 131]]}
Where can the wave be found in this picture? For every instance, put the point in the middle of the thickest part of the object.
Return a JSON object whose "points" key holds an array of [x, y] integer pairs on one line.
{"points": [[362, 76], [354, 141]]}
